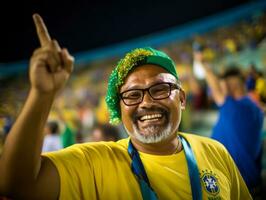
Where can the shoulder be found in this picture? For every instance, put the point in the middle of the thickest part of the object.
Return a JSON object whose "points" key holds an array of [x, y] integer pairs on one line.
{"points": [[207, 149], [226, 102], [194, 138], [201, 143], [91, 149], [104, 147], [229, 100]]}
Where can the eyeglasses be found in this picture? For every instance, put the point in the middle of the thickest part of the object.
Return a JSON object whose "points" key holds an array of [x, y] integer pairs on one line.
{"points": [[157, 92]]}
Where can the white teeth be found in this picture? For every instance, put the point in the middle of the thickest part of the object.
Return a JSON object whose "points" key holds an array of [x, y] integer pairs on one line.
{"points": [[149, 117]]}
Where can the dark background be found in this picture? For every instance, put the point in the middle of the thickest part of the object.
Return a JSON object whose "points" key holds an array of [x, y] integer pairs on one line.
{"points": [[82, 25]]}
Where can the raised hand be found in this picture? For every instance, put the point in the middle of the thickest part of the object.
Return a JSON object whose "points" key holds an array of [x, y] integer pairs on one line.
{"points": [[50, 66]]}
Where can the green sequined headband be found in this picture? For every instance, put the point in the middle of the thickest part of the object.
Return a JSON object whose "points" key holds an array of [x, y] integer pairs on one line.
{"points": [[136, 57]]}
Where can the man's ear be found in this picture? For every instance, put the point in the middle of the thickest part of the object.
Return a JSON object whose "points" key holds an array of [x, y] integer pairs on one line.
{"points": [[182, 98]]}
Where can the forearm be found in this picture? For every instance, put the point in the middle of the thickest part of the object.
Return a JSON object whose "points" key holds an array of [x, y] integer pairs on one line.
{"points": [[214, 85], [20, 160], [212, 79]]}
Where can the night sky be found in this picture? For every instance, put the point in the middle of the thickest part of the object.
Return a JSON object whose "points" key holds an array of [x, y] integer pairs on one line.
{"points": [[83, 25]]}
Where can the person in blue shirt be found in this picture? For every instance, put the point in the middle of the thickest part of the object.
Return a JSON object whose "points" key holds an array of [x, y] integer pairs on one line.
{"points": [[240, 121]]}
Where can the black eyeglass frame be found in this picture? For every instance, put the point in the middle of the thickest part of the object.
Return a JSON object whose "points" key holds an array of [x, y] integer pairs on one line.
{"points": [[172, 86]]}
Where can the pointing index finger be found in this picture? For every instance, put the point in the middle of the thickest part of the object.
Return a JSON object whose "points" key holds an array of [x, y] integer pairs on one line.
{"points": [[41, 29]]}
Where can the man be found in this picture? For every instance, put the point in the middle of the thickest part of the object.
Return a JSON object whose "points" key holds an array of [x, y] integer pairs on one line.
{"points": [[52, 139], [240, 121], [105, 132], [156, 162]]}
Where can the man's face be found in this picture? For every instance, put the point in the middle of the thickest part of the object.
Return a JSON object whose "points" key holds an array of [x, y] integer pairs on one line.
{"points": [[151, 121], [97, 135], [233, 84]]}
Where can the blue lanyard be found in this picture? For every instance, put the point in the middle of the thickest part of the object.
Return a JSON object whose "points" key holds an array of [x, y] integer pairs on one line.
{"points": [[146, 190]]}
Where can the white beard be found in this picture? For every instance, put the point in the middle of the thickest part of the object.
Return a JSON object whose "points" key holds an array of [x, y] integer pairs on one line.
{"points": [[151, 137]]}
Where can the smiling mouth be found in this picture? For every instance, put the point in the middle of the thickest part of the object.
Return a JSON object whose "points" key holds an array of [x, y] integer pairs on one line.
{"points": [[151, 117], [151, 120], [151, 124]]}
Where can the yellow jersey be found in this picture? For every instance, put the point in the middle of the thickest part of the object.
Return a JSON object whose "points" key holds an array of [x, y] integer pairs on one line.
{"points": [[103, 171]]}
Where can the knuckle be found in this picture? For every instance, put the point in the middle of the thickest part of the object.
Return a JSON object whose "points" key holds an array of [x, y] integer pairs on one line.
{"points": [[36, 51], [70, 60]]}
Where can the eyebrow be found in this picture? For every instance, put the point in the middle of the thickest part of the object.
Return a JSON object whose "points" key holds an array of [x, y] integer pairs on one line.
{"points": [[153, 83]]}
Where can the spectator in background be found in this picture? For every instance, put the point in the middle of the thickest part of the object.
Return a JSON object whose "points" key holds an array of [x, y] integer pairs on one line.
{"points": [[8, 122], [105, 132], [239, 125], [5, 126], [71, 124], [250, 81], [256, 86], [251, 77], [101, 111], [52, 140], [261, 87]]}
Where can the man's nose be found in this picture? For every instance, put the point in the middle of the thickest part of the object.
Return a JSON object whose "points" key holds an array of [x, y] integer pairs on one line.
{"points": [[147, 99]]}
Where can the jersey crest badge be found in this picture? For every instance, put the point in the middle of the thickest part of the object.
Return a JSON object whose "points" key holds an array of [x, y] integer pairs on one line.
{"points": [[210, 182]]}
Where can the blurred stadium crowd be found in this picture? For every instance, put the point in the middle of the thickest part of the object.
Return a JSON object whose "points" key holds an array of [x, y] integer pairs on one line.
{"points": [[80, 107]]}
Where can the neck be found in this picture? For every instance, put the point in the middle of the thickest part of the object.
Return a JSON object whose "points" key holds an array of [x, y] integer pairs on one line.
{"points": [[238, 94], [167, 147]]}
